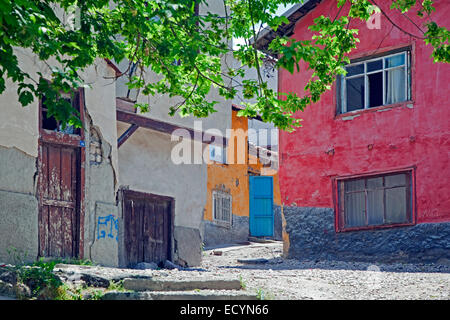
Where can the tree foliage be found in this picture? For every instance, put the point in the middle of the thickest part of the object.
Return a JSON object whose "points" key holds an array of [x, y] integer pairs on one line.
{"points": [[69, 35]]}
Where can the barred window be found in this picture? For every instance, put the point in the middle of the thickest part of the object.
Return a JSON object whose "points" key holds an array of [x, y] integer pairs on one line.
{"points": [[222, 207]]}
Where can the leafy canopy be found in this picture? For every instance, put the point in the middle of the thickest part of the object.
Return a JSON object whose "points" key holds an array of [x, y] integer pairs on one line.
{"points": [[186, 47]]}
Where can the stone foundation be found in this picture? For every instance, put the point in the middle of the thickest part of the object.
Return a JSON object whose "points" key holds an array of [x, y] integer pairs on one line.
{"points": [[277, 223], [310, 234], [215, 234]]}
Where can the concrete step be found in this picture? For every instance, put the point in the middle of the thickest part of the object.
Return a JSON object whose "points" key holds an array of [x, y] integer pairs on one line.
{"points": [[180, 285], [261, 239], [180, 295]]}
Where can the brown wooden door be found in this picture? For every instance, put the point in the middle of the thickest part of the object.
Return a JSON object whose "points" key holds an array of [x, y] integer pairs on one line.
{"points": [[59, 205], [148, 221]]}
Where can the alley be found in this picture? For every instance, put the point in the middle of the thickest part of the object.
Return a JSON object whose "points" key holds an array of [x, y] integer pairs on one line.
{"points": [[273, 277]]}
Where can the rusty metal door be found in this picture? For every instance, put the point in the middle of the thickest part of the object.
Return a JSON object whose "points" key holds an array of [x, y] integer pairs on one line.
{"points": [[59, 201], [148, 227]]}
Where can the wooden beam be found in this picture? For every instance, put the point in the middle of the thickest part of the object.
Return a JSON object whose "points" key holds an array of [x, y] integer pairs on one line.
{"points": [[125, 104], [161, 126], [124, 137]]}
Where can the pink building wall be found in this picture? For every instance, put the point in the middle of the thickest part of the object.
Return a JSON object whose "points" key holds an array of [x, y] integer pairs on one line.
{"points": [[415, 133]]}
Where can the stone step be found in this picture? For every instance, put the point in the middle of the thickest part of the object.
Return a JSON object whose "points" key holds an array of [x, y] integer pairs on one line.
{"points": [[180, 295], [154, 284]]}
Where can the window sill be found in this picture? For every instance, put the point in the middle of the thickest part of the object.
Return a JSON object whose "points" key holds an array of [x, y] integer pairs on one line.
{"points": [[222, 224], [60, 138], [356, 113], [380, 227]]}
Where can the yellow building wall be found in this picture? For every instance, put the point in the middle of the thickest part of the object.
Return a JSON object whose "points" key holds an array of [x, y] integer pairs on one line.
{"points": [[233, 177]]}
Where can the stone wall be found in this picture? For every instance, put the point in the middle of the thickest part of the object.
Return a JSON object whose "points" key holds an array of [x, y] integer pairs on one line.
{"points": [[215, 234], [311, 235], [277, 222]]}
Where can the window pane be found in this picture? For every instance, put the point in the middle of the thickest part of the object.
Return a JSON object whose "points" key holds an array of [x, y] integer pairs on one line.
{"points": [[395, 180], [374, 183], [375, 65], [216, 207], [354, 185], [375, 89], [396, 205], [355, 210], [355, 93], [226, 209], [49, 123], [354, 70], [395, 85], [395, 61], [375, 207]]}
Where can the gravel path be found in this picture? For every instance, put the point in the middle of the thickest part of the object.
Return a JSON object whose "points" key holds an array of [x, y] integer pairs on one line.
{"points": [[280, 278]]}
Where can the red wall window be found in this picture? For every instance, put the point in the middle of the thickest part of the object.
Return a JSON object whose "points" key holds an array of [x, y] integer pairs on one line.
{"points": [[373, 201]]}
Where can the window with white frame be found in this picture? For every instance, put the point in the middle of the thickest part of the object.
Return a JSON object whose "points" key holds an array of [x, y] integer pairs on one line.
{"points": [[375, 82], [221, 207]]}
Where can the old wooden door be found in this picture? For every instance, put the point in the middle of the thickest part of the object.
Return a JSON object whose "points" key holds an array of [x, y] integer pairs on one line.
{"points": [[58, 222], [60, 185], [148, 226]]}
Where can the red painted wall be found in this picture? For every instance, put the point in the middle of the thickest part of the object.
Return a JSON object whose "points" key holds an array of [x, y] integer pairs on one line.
{"points": [[416, 133]]}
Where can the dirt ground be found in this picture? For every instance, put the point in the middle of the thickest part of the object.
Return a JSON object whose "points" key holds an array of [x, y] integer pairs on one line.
{"points": [[279, 278], [262, 270]]}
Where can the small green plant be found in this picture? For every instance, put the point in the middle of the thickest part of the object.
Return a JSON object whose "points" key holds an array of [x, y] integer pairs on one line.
{"points": [[116, 285], [243, 282], [262, 295], [41, 280], [96, 295]]}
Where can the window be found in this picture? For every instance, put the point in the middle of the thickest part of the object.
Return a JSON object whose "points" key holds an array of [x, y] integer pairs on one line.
{"points": [[51, 123], [375, 82], [222, 207], [375, 201], [217, 153]]}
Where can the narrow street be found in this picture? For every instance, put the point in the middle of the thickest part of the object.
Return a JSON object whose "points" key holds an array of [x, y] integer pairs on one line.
{"points": [[263, 274], [279, 278]]}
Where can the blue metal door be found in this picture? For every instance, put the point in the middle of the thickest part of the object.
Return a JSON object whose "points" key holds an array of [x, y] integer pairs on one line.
{"points": [[261, 206]]}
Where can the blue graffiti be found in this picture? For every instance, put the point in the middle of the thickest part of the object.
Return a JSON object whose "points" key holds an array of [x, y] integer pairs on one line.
{"points": [[108, 223]]}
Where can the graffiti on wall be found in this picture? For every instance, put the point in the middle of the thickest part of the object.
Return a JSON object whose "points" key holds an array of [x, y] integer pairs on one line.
{"points": [[108, 227]]}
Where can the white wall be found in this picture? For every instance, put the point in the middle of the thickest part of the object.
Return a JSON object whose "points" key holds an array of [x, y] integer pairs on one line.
{"points": [[145, 165]]}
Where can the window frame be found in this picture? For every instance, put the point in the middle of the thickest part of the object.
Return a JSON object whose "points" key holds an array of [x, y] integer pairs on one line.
{"points": [[70, 139], [339, 199], [341, 93], [221, 195]]}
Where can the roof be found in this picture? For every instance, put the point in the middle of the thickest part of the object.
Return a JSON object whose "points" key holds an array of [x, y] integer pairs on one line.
{"points": [[294, 14]]}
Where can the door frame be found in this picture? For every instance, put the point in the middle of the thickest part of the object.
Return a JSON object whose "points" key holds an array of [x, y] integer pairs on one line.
{"points": [[146, 195], [76, 142]]}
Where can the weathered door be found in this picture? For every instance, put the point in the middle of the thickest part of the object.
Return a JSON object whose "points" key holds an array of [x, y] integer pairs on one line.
{"points": [[261, 206], [60, 184], [148, 226], [58, 216]]}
